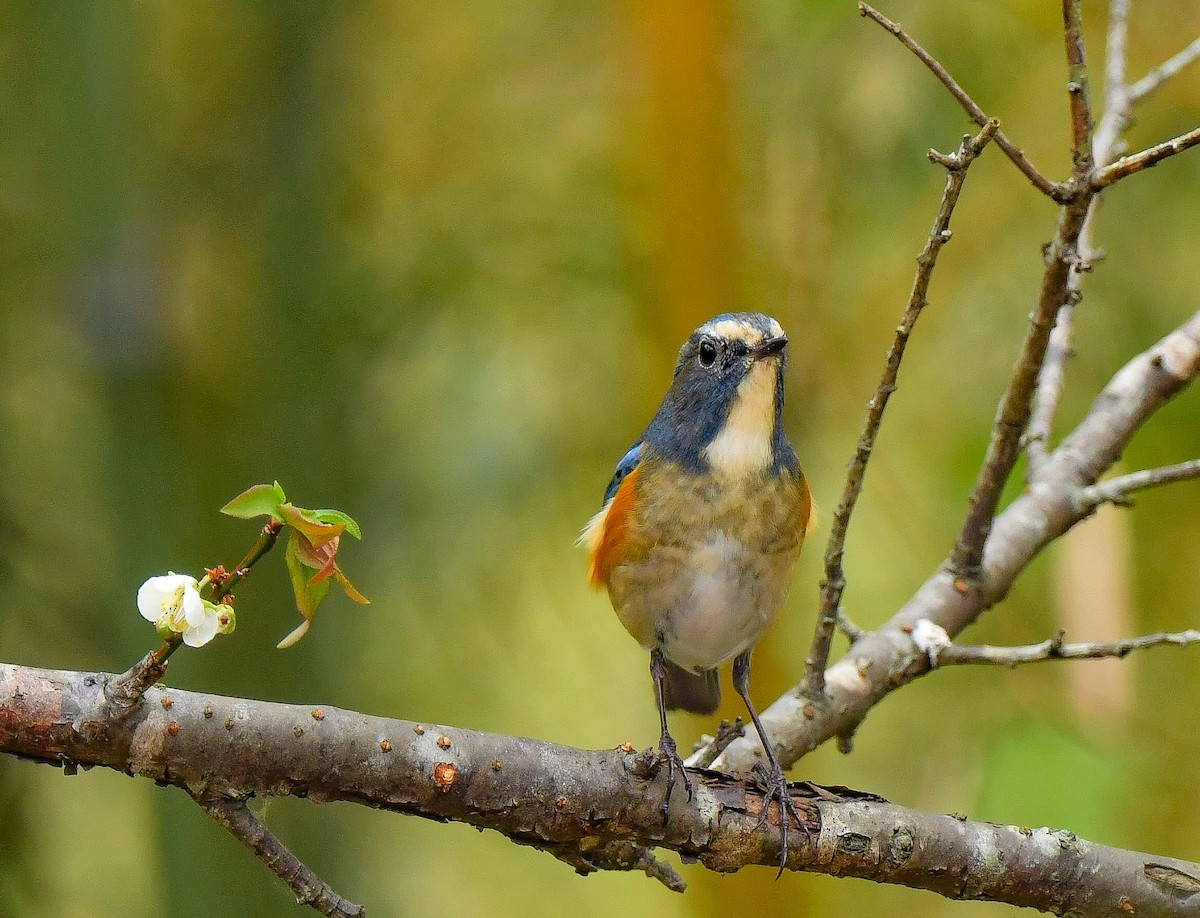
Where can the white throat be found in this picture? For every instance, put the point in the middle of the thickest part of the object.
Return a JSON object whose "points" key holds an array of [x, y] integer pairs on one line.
{"points": [[743, 447]]}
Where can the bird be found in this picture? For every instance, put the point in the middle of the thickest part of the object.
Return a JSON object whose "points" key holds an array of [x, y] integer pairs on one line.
{"points": [[701, 526]]}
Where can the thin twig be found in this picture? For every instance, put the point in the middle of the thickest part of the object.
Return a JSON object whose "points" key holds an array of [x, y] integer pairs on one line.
{"points": [[1016, 407], [1049, 388], [1116, 91], [845, 625], [713, 746], [660, 870], [1077, 88], [1136, 162], [834, 583], [1163, 72], [1104, 148], [1055, 649], [1117, 490], [1054, 190], [1064, 261], [266, 541], [309, 888]]}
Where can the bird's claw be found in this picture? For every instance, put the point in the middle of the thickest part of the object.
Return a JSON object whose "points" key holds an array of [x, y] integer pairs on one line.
{"points": [[670, 756], [775, 787]]}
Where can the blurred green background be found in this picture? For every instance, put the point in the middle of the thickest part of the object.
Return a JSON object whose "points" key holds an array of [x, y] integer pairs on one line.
{"points": [[430, 263]]}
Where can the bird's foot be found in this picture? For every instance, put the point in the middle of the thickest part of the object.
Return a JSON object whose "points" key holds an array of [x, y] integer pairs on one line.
{"points": [[775, 787], [670, 757]]}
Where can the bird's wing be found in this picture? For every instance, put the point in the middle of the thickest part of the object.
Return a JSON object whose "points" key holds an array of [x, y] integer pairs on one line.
{"points": [[628, 463], [604, 535]]}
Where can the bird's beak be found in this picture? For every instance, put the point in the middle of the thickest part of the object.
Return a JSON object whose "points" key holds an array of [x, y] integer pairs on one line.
{"points": [[769, 346]]}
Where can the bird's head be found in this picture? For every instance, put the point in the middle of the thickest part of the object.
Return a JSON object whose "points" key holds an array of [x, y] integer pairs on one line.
{"points": [[723, 410]]}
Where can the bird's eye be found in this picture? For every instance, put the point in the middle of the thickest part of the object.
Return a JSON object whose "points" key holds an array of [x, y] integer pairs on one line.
{"points": [[707, 354]]}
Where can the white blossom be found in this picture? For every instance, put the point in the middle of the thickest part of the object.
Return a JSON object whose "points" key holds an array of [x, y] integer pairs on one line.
{"points": [[174, 600]]}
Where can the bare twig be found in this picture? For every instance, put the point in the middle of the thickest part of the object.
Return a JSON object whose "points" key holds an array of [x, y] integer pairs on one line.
{"points": [[1062, 258], [1119, 99], [266, 541], [1056, 649], [1117, 490], [1163, 72], [956, 165], [713, 746], [1050, 385], [1104, 145], [309, 889], [1054, 190], [1117, 103], [1077, 88], [1136, 162], [1013, 414], [1051, 372], [847, 627]]}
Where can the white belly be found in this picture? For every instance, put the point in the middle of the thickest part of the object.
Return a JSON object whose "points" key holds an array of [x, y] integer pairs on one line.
{"points": [[702, 604]]}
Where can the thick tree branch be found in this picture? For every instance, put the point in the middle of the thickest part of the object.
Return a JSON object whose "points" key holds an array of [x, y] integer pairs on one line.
{"points": [[886, 658], [834, 583], [1056, 191], [592, 809]]}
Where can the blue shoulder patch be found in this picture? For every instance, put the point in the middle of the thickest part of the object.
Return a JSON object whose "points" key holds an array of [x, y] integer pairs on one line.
{"points": [[627, 464]]}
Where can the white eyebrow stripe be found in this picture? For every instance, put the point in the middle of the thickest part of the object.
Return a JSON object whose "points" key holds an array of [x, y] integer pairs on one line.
{"points": [[734, 330]]}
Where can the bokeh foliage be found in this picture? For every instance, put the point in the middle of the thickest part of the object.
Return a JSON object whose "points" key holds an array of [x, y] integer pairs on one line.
{"points": [[430, 263]]}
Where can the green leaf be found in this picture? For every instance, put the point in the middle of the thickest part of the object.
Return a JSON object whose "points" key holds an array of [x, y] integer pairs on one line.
{"points": [[308, 594], [302, 521], [260, 500], [336, 517]]}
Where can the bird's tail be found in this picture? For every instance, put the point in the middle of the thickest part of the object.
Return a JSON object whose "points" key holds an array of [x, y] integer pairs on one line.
{"points": [[699, 693]]}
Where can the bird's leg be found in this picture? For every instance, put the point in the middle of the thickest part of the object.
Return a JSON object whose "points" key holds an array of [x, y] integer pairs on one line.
{"points": [[776, 784], [666, 744]]}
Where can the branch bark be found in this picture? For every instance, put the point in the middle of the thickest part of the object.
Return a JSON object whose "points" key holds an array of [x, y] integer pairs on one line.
{"points": [[1056, 649], [592, 809]]}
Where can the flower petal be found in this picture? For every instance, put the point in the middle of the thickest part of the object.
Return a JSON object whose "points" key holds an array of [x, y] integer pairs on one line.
{"points": [[203, 631], [157, 595], [193, 607]]}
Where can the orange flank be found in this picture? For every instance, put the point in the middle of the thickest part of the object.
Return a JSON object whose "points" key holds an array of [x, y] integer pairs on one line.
{"points": [[608, 544]]}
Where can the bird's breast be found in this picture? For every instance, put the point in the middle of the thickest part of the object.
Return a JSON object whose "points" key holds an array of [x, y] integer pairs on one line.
{"points": [[707, 563]]}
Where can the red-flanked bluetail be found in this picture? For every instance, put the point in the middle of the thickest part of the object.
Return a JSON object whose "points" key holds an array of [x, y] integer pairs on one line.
{"points": [[702, 524]]}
